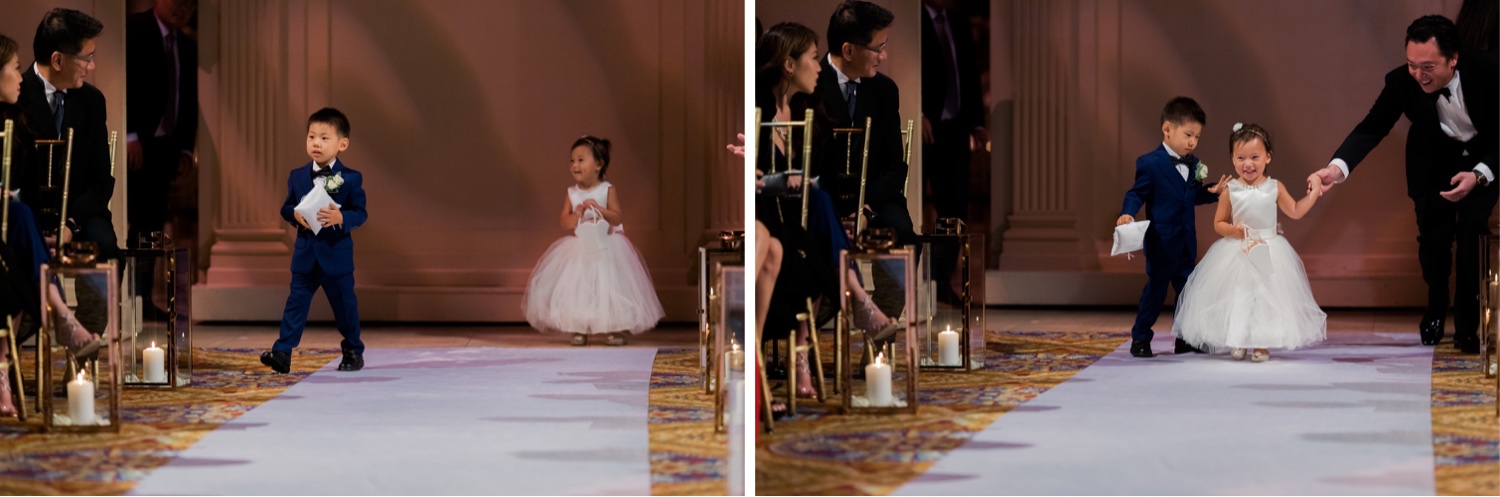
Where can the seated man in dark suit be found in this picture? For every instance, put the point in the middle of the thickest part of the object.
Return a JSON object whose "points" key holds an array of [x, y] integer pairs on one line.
{"points": [[55, 98]]}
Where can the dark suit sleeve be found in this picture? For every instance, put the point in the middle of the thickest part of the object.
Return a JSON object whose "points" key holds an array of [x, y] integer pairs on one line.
{"points": [[91, 168], [1140, 192], [289, 205], [888, 165], [354, 209], [1205, 196], [1377, 123]]}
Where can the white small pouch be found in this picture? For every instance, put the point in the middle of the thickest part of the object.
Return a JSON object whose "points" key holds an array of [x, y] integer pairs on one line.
{"points": [[1129, 237], [315, 200], [1259, 252], [592, 230]]}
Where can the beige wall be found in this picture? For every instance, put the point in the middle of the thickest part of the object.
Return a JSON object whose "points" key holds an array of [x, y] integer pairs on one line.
{"points": [[903, 63], [1308, 71], [463, 112], [19, 22]]}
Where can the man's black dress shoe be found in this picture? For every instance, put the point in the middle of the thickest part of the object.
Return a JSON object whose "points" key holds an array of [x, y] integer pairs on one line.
{"points": [[281, 362], [1432, 331], [353, 361], [1183, 347], [1141, 348], [1467, 344]]}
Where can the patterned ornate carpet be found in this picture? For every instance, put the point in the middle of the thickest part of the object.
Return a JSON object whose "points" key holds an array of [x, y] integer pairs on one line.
{"points": [[821, 453], [686, 456]]}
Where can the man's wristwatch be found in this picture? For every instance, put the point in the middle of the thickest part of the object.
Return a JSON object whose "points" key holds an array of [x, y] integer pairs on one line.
{"points": [[1481, 179]]}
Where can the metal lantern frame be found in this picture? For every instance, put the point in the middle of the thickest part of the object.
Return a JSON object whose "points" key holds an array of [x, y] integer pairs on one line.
{"points": [[729, 355], [901, 362], [177, 344], [106, 377], [970, 320]]}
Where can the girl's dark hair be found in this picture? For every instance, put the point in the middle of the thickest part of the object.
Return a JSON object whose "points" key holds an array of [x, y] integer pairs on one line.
{"points": [[8, 48], [1249, 132], [599, 147]]}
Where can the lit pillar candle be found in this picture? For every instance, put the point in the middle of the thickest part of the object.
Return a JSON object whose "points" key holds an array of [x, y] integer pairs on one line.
{"points": [[948, 348], [81, 400], [156, 364], [878, 382]]}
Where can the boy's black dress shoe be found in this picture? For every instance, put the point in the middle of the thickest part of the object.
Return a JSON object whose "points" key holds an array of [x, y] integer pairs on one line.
{"points": [[280, 362], [1141, 348], [1432, 331], [353, 361], [1183, 347], [1468, 344]]}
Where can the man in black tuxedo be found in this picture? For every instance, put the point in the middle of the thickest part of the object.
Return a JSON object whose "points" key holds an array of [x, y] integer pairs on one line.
{"points": [[952, 123], [1450, 99], [851, 90], [952, 109], [162, 125], [55, 98]]}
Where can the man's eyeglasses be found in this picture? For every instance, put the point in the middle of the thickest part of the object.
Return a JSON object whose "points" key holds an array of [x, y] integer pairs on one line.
{"points": [[878, 50], [86, 59]]}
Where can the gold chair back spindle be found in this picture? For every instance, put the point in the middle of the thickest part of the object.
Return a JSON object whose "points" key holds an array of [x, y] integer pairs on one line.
{"points": [[807, 125], [62, 221]]}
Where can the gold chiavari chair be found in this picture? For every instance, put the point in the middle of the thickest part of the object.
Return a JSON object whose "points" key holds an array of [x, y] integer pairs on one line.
{"points": [[906, 138], [847, 175], [12, 362]]}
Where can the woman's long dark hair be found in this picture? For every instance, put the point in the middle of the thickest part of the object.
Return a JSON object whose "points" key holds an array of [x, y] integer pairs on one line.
{"points": [[787, 40]]}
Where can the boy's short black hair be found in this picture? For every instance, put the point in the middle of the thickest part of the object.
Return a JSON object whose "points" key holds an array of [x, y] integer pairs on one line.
{"points": [[1183, 110], [331, 117], [1426, 28], [856, 21], [65, 31]]}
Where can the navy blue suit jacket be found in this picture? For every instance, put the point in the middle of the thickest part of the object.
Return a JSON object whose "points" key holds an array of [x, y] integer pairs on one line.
{"points": [[1169, 202], [332, 248]]}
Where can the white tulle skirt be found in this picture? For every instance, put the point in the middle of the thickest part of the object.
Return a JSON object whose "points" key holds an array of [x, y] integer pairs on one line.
{"points": [[1228, 304], [576, 288]]}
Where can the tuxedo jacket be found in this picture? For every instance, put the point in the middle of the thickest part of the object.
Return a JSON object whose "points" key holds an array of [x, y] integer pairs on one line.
{"points": [[333, 247], [146, 85], [1432, 157], [879, 99], [91, 185], [1169, 202], [936, 76]]}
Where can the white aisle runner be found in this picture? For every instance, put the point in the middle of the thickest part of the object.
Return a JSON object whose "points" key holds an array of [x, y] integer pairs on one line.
{"points": [[488, 421], [1352, 416]]}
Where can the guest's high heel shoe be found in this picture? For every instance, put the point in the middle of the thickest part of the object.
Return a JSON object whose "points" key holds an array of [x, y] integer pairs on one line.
{"points": [[804, 378], [7, 407], [79, 341], [880, 329]]}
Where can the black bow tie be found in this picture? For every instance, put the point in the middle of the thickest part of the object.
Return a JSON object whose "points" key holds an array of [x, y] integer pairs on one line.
{"points": [[1442, 92], [327, 171], [1188, 160]]}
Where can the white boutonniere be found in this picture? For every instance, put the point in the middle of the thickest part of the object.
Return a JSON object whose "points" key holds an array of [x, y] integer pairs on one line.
{"points": [[332, 183], [1200, 172]]}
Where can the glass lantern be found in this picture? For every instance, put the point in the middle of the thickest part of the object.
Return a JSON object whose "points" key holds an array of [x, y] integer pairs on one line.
{"points": [[730, 252], [729, 314], [878, 366], [1489, 299], [155, 293], [950, 305], [80, 394]]}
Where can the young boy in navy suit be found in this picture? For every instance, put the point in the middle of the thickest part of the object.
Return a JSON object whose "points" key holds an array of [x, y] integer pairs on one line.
{"points": [[1169, 182], [326, 259]]}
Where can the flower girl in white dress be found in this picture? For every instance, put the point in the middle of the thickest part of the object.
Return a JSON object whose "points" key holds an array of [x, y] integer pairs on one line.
{"points": [[592, 282], [1250, 291]]}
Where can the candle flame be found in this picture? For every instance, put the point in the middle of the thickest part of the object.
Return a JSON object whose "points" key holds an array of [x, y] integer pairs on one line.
{"points": [[948, 327], [734, 346], [153, 344], [880, 358], [82, 375]]}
